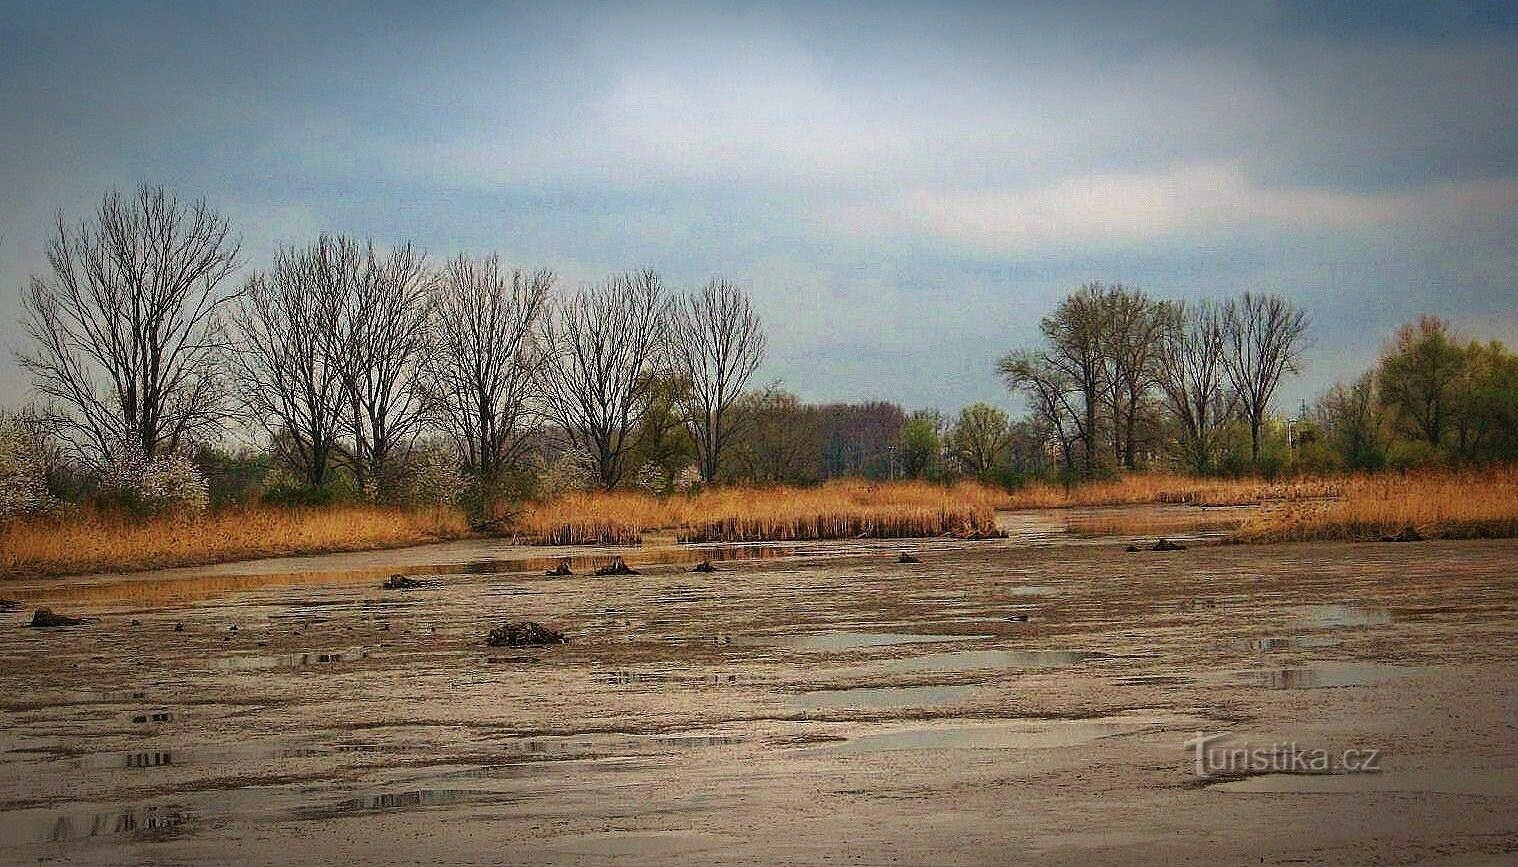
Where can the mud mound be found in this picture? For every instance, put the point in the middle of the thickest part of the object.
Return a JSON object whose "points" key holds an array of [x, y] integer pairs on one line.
{"points": [[45, 618], [523, 633], [617, 567]]}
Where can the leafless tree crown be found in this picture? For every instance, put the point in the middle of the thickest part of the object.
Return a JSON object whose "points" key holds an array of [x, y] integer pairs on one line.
{"points": [[126, 329], [1263, 341], [604, 350], [716, 344], [376, 342], [1192, 379], [482, 364], [289, 382]]}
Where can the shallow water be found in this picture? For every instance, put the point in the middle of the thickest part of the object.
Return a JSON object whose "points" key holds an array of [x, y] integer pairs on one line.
{"points": [[840, 641], [759, 715], [884, 697]]}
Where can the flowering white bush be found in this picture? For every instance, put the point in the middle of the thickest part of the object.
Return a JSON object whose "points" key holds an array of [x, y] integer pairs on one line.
{"points": [[649, 478], [23, 473], [688, 480], [433, 477], [570, 472], [166, 482]]}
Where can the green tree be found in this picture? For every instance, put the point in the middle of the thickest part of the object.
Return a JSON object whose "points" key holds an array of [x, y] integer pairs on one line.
{"points": [[1419, 379], [979, 439], [1351, 423], [922, 444]]}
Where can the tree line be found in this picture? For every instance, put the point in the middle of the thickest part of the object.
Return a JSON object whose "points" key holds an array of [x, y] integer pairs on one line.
{"points": [[355, 362], [1432, 397], [1121, 378], [349, 370]]}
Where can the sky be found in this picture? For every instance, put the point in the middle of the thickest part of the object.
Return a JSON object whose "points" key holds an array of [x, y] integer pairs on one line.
{"points": [[906, 189]]}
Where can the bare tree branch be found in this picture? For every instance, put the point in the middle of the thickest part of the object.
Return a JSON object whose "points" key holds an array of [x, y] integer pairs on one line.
{"points": [[483, 360], [1263, 342], [287, 378], [716, 344], [126, 329], [376, 341], [604, 349]]}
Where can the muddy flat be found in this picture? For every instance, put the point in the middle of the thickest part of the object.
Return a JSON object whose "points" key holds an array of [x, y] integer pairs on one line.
{"points": [[1001, 701]]}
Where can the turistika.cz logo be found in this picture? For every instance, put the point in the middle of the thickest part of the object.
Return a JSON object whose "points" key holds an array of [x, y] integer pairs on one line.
{"points": [[1215, 758]]}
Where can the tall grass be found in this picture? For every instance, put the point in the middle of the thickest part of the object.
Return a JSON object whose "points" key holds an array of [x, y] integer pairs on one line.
{"points": [[837, 510], [1136, 488], [83, 540], [1437, 503]]}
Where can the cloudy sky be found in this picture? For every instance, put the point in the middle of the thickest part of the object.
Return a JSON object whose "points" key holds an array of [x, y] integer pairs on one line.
{"points": [[906, 188]]}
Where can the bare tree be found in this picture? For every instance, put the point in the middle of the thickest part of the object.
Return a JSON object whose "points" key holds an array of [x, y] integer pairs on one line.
{"points": [[376, 340], [1263, 342], [604, 345], [1132, 325], [288, 379], [1054, 397], [780, 440], [126, 330], [1192, 378], [482, 362], [1077, 355], [716, 344]]}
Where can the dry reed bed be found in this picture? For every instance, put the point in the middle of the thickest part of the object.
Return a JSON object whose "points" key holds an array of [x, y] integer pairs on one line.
{"points": [[1448, 504], [81, 541], [837, 510], [1138, 488]]}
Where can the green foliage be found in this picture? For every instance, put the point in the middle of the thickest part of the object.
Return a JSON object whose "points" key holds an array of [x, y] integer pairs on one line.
{"points": [[1420, 379], [980, 439], [921, 445]]}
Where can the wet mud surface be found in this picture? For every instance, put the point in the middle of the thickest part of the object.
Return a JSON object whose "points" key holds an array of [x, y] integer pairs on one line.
{"points": [[1026, 699]]}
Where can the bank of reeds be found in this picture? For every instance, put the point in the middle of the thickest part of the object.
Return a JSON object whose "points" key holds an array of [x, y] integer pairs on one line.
{"points": [[837, 510], [1436, 503], [83, 540], [1136, 488]]}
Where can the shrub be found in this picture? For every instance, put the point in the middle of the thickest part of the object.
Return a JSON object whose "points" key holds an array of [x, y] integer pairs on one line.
{"points": [[23, 473], [144, 485]]}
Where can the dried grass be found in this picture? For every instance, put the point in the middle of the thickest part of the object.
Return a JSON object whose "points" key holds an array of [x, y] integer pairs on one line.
{"points": [[1138, 488], [1437, 503], [82, 540], [837, 510]]}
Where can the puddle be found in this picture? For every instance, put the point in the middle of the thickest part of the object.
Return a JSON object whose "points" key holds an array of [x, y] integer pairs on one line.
{"points": [[45, 826], [1332, 616], [418, 798], [144, 759], [696, 741], [890, 696], [838, 641], [586, 564], [1011, 734], [1156, 680], [287, 660], [1329, 675], [631, 678], [151, 717], [1464, 781], [1281, 643], [970, 660], [1032, 590]]}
